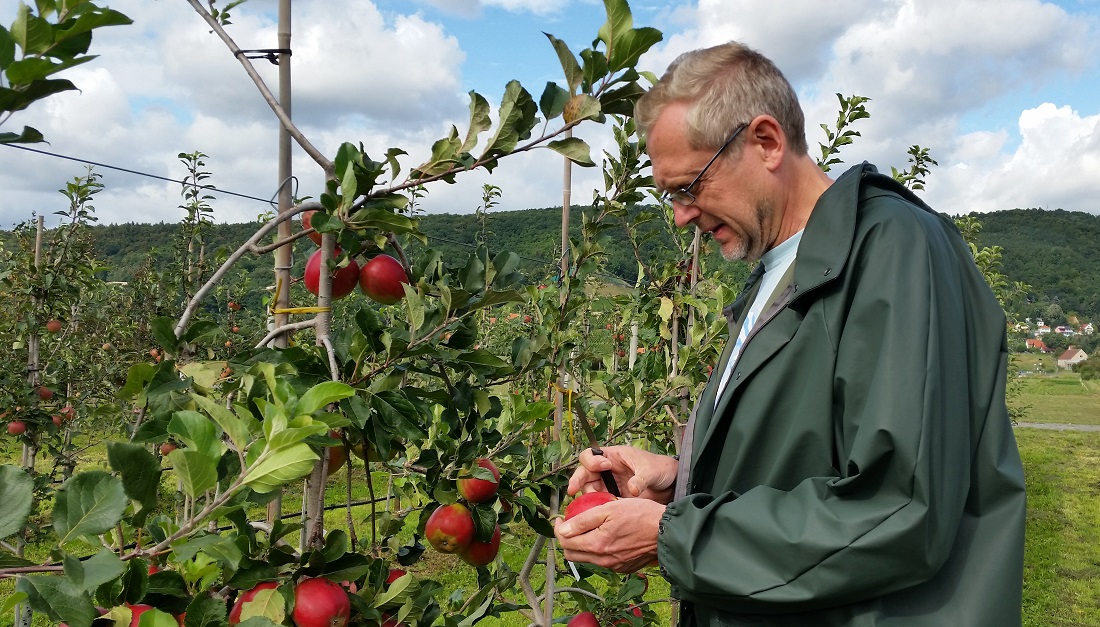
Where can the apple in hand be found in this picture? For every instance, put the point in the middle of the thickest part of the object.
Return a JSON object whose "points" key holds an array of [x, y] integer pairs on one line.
{"points": [[482, 553], [450, 528], [343, 279], [320, 602], [477, 490], [381, 279], [587, 501]]}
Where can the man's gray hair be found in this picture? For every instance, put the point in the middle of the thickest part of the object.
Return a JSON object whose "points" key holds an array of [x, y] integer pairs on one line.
{"points": [[727, 85]]}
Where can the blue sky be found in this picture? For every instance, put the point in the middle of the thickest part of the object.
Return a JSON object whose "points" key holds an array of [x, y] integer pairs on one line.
{"points": [[1003, 93]]}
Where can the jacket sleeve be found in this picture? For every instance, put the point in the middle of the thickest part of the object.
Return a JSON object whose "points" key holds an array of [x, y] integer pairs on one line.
{"points": [[900, 418]]}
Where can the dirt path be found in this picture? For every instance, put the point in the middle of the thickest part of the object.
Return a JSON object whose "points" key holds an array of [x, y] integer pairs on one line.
{"points": [[1057, 426]]}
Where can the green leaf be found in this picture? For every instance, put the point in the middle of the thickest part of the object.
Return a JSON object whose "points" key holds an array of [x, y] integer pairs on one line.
{"points": [[139, 470], [12, 601], [88, 504], [575, 149], [553, 100], [268, 604], [164, 332], [19, 99], [197, 471], [27, 136], [89, 574], [222, 549], [26, 71], [30, 32], [17, 495], [517, 118], [485, 522], [274, 469], [7, 48], [480, 121], [90, 20], [234, 427], [206, 611], [320, 395], [57, 598], [630, 45], [574, 76], [197, 432], [157, 618]]}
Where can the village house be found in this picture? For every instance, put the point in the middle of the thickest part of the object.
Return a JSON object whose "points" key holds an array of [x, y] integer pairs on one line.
{"points": [[1037, 345], [1042, 329], [1071, 356], [1065, 330], [1087, 329]]}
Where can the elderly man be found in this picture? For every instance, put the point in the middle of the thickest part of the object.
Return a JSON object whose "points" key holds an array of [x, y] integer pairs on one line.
{"points": [[851, 460]]}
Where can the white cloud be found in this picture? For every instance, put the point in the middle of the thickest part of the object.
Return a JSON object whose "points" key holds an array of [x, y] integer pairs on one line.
{"points": [[1056, 165]]}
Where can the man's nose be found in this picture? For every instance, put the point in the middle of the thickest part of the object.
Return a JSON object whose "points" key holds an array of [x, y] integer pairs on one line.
{"points": [[683, 215]]}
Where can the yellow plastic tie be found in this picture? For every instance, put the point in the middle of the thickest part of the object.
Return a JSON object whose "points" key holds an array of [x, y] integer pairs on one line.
{"points": [[301, 310]]}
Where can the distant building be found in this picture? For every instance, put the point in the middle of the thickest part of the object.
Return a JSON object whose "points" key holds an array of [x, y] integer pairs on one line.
{"points": [[1065, 330], [1037, 345], [1071, 356], [1087, 329], [1042, 329]]}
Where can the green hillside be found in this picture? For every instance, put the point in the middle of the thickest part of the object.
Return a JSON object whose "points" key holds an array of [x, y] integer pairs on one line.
{"points": [[1056, 253]]}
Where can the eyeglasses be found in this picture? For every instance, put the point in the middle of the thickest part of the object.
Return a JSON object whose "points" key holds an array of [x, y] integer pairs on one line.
{"points": [[683, 196]]}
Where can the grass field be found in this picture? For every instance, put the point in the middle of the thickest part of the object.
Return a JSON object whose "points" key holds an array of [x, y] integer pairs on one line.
{"points": [[1061, 397], [1062, 553]]}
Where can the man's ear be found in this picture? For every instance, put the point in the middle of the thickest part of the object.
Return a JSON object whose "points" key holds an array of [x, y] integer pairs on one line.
{"points": [[767, 136]]}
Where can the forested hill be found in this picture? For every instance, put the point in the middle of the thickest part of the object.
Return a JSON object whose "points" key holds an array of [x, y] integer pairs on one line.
{"points": [[1056, 252]]}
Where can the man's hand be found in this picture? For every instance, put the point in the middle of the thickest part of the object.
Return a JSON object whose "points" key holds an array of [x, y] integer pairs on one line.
{"points": [[639, 473], [620, 535]]}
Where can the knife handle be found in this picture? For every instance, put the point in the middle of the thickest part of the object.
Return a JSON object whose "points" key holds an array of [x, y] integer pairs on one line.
{"points": [[607, 475]]}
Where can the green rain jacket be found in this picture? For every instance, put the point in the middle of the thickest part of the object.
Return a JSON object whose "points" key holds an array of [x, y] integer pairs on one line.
{"points": [[860, 468]]}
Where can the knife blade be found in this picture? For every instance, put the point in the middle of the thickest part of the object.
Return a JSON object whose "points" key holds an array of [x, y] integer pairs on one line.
{"points": [[607, 476]]}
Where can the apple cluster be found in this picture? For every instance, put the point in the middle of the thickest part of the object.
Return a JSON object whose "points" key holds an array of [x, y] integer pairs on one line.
{"points": [[451, 529], [380, 278]]}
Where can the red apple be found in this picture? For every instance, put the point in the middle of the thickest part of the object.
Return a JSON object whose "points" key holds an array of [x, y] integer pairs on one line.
{"points": [[482, 553], [336, 458], [17, 427], [343, 279], [153, 569], [136, 611], [236, 329], [584, 619], [307, 219], [53, 326], [587, 501], [477, 490], [527, 319], [233, 306], [68, 412], [56, 420], [167, 448], [635, 610], [44, 393], [450, 528], [235, 613], [381, 279], [320, 602], [394, 575]]}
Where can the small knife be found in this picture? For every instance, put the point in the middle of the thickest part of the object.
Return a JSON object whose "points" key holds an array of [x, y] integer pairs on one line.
{"points": [[607, 475]]}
